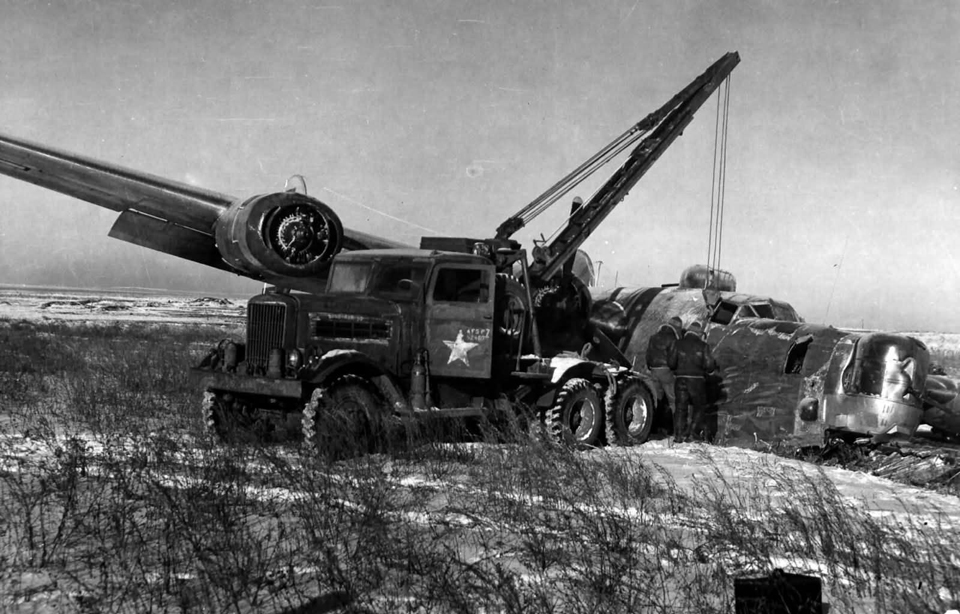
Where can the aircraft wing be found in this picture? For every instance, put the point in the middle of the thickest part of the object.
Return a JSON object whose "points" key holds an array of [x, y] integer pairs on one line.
{"points": [[354, 239], [161, 214]]}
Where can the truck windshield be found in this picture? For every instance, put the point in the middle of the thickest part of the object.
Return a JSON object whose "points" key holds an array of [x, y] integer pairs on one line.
{"points": [[349, 277]]}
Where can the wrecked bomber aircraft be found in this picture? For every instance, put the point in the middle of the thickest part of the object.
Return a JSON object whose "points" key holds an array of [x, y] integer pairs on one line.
{"points": [[779, 378]]}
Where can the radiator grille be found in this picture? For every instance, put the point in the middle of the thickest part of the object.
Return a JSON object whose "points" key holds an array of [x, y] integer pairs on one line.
{"points": [[265, 322]]}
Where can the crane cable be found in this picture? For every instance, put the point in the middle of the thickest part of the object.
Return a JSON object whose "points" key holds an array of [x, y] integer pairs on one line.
{"points": [[585, 170], [719, 182]]}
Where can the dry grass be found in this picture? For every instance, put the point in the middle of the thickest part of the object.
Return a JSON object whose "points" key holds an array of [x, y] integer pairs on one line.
{"points": [[113, 499]]}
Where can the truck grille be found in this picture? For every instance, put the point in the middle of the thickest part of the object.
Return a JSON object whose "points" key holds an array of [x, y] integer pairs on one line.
{"points": [[336, 328], [265, 322]]}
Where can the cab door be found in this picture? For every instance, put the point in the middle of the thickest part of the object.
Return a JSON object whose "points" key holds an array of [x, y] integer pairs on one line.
{"points": [[459, 320]]}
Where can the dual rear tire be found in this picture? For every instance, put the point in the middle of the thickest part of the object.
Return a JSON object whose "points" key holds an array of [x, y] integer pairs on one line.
{"points": [[580, 418], [629, 413]]}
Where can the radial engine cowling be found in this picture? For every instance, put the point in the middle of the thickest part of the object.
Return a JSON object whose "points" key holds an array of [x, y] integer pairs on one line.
{"points": [[285, 233]]}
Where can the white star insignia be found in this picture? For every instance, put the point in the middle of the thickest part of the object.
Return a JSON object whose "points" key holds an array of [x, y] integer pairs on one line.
{"points": [[459, 349]]}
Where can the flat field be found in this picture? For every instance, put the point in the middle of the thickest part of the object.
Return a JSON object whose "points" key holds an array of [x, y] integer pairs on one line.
{"points": [[113, 498]]}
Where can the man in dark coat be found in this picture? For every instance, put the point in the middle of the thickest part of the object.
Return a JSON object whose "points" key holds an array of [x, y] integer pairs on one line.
{"points": [[660, 351], [691, 364]]}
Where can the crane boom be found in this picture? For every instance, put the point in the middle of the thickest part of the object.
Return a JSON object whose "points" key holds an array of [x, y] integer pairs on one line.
{"points": [[655, 133]]}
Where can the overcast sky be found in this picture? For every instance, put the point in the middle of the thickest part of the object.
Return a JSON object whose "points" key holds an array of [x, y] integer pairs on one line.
{"points": [[843, 169]]}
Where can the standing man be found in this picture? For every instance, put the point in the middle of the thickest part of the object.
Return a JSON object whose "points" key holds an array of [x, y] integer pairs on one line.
{"points": [[692, 362], [660, 351]]}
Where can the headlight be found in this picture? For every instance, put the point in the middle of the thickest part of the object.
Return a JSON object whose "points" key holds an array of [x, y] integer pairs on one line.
{"points": [[294, 359]]}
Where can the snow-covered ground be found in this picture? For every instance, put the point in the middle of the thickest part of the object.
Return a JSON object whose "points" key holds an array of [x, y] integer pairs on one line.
{"points": [[689, 464], [755, 483]]}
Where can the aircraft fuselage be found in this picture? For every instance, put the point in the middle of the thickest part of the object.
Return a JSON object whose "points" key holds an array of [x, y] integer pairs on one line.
{"points": [[779, 378]]}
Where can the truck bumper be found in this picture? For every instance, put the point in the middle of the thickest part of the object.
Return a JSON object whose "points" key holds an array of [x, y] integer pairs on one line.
{"points": [[248, 384]]}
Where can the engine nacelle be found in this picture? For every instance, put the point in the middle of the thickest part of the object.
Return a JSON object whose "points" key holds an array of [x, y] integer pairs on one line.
{"points": [[285, 233]]}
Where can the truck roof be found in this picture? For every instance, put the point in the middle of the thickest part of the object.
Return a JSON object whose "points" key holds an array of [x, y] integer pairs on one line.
{"points": [[410, 253]]}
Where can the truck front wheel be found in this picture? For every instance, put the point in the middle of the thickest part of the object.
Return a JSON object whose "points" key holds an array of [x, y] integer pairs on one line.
{"points": [[229, 420], [343, 419], [629, 413], [577, 415]]}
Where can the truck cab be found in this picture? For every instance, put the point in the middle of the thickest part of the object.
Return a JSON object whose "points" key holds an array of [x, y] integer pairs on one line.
{"points": [[383, 314], [390, 304]]}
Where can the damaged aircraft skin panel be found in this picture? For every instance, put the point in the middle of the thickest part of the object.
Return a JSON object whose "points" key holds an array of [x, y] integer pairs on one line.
{"points": [[630, 316], [765, 370], [778, 378]]}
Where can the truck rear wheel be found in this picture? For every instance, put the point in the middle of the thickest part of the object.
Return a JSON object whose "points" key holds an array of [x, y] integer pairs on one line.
{"points": [[629, 413], [343, 419], [577, 415]]}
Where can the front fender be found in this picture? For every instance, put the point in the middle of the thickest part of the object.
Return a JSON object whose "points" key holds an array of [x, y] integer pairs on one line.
{"points": [[334, 362], [338, 362], [574, 365]]}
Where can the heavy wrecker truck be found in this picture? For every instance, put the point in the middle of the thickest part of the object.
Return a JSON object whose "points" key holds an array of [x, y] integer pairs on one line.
{"points": [[460, 327]]}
